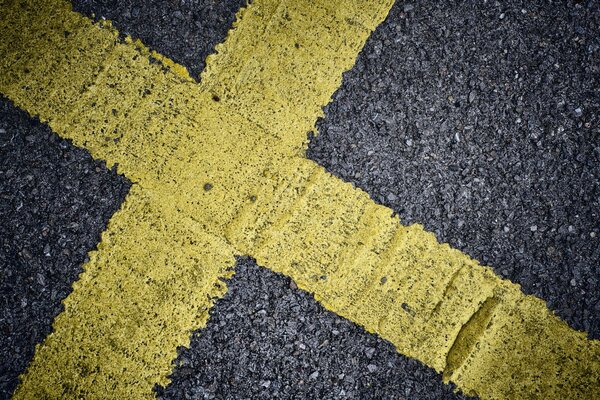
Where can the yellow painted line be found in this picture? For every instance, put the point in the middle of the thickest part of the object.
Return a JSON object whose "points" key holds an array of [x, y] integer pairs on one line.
{"points": [[432, 302], [282, 61], [216, 174], [174, 139], [135, 303]]}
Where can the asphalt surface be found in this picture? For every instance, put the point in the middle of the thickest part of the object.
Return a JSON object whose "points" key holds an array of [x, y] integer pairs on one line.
{"points": [[268, 340], [55, 200], [482, 123], [185, 31]]}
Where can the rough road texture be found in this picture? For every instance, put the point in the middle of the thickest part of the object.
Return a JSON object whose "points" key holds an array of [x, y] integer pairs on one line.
{"points": [[216, 370], [483, 124], [185, 31], [55, 200], [381, 134], [266, 339]]}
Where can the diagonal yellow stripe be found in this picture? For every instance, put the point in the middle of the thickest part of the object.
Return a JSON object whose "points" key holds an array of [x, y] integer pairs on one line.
{"points": [[135, 303], [119, 331], [432, 302], [283, 60], [216, 157]]}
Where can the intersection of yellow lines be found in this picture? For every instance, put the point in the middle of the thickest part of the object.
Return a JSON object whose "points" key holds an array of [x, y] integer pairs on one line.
{"points": [[218, 170]]}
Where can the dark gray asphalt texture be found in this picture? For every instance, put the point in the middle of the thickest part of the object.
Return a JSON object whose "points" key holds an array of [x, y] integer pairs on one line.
{"points": [[268, 340], [55, 200], [481, 121], [184, 30], [496, 152]]}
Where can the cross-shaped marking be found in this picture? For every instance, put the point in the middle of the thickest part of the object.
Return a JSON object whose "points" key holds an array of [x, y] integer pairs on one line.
{"points": [[218, 170]]}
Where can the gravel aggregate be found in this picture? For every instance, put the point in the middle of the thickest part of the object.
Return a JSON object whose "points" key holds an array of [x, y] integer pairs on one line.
{"points": [[55, 200], [483, 124], [268, 340]]}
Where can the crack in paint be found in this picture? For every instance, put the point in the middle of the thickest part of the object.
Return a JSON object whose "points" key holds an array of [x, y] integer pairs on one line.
{"points": [[468, 337]]}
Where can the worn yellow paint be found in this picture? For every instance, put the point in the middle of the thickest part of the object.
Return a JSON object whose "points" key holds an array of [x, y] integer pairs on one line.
{"points": [[171, 136], [242, 130], [135, 303], [283, 59], [432, 302]]}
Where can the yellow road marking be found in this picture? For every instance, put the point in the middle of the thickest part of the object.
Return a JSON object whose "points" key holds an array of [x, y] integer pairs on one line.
{"points": [[106, 96], [136, 302], [282, 61], [432, 302], [218, 160]]}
